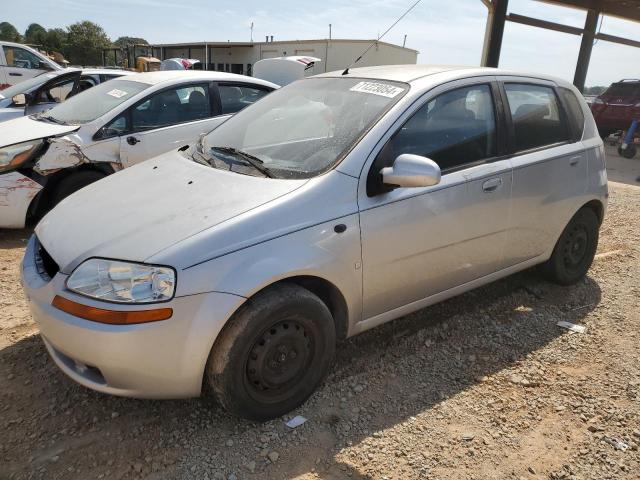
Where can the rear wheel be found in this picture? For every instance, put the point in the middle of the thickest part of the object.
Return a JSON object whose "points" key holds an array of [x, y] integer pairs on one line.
{"points": [[574, 252], [273, 353]]}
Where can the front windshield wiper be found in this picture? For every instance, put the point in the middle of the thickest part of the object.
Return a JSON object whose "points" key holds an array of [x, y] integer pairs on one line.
{"points": [[49, 118], [255, 162]]}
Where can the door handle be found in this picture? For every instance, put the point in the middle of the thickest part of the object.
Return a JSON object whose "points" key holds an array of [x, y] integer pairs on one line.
{"points": [[15, 74], [492, 184], [573, 161], [132, 140]]}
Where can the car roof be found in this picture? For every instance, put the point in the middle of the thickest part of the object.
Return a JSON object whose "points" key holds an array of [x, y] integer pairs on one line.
{"points": [[413, 73], [106, 71], [170, 76]]}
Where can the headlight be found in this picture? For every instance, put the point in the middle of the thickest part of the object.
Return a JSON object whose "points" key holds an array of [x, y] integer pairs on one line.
{"points": [[14, 155], [123, 282]]}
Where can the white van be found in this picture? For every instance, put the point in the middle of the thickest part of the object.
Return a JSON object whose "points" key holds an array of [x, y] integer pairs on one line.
{"points": [[19, 62]]}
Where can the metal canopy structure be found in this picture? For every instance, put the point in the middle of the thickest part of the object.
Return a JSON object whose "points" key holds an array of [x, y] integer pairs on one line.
{"points": [[625, 9]]}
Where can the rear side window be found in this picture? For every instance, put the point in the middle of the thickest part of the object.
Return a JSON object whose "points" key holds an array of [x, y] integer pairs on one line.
{"points": [[575, 110], [536, 115], [235, 97]]}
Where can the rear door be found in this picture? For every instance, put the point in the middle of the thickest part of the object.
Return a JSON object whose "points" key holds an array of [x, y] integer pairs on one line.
{"points": [[549, 166], [21, 64], [167, 120], [235, 96]]}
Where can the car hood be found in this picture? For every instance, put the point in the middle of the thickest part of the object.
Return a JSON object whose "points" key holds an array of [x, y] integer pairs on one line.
{"points": [[24, 129], [149, 207]]}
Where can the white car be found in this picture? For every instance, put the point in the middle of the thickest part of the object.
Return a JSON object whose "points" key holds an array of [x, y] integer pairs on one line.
{"points": [[46, 90], [47, 156], [19, 63]]}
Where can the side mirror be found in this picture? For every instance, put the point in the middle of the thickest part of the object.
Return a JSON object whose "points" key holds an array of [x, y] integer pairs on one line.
{"points": [[411, 171], [19, 100]]}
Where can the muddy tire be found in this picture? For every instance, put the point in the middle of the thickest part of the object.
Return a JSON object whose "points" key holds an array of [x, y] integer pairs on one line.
{"points": [[272, 354], [576, 247], [72, 184]]}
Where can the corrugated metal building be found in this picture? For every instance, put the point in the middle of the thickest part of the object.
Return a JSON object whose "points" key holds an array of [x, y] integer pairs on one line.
{"points": [[239, 57]]}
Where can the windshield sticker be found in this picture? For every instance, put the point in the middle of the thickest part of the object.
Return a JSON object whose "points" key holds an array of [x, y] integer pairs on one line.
{"points": [[117, 93], [375, 88]]}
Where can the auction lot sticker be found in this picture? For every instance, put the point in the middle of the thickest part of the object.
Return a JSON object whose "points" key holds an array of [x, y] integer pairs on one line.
{"points": [[117, 93], [382, 89]]}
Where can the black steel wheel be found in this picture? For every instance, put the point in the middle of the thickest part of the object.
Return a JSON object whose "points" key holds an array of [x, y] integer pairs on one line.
{"points": [[575, 249], [273, 353]]}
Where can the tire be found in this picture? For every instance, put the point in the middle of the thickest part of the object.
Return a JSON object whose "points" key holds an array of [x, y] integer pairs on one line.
{"points": [[628, 152], [273, 353], [573, 254], [73, 183]]}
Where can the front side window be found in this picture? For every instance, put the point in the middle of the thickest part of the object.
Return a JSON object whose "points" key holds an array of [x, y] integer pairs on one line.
{"points": [[56, 92], [95, 102], [171, 106], [536, 116], [21, 58], [304, 129], [235, 97], [454, 129]]}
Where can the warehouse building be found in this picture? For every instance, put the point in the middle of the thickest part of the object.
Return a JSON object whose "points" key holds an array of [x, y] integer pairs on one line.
{"points": [[239, 57]]}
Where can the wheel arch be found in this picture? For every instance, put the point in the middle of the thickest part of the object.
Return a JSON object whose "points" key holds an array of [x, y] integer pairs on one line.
{"points": [[596, 206], [38, 205]]}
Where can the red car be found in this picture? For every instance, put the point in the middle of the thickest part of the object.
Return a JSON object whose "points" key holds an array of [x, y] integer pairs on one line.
{"points": [[617, 106]]}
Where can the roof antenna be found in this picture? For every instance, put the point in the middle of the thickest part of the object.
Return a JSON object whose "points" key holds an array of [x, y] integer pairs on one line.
{"points": [[346, 70]]}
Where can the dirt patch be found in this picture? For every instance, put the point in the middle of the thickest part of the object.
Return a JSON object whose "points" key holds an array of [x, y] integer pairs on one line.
{"points": [[483, 386]]}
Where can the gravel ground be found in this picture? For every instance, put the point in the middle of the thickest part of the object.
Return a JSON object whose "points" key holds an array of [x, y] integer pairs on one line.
{"points": [[483, 386]]}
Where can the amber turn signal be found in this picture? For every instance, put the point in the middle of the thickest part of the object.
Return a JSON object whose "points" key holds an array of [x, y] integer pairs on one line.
{"points": [[113, 317]]}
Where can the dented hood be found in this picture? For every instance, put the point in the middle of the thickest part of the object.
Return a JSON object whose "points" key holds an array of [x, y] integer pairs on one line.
{"points": [[23, 129], [137, 212]]}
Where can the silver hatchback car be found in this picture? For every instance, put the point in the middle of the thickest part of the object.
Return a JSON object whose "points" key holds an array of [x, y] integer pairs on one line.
{"points": [[333, 205]]}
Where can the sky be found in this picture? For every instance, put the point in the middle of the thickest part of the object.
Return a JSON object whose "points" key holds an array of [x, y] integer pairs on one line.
{"points": [[449, 32]]}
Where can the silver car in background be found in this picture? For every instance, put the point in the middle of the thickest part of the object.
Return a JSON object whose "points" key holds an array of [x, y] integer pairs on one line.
{"points": [[333, 205]]}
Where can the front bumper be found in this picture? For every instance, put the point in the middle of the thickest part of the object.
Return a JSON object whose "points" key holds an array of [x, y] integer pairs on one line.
{"points": [[164, 359], [16, 194]]}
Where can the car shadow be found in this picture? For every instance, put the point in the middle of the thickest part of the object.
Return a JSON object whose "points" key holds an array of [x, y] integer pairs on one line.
{"points": [[381, 378]]}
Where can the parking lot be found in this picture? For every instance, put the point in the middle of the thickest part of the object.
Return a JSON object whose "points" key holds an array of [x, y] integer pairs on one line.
{"points": [[483, 386]]}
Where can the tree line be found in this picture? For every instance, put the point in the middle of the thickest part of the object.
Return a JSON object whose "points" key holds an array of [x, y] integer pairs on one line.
{"points": [[80, 43]]}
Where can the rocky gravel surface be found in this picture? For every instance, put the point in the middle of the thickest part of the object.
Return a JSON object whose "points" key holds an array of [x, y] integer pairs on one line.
{"points": [[483, 386]]}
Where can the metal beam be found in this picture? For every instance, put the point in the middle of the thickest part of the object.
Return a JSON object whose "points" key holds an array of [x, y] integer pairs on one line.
{"points": [[535, 22], [590, 25], [612, 38], [494, 33]]}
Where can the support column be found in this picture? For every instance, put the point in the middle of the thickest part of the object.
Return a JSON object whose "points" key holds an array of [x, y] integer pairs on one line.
{"points": [[586, 46], [494, 32]]}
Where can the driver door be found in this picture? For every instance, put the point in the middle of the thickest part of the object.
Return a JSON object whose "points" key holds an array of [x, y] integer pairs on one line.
{"points": [[418, 242], [167, 120], [21, 64], [55, 91]]}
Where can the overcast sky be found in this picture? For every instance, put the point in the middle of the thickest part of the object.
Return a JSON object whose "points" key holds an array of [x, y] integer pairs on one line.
{"points": [[448, 31]]}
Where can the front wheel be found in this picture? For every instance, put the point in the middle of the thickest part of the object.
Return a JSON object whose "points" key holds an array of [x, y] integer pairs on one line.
{"points": [[273, 353], [573, 254]]}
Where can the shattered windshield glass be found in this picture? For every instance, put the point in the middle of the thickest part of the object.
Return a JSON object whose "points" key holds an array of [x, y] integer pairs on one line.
{"points": [[305, 128]]}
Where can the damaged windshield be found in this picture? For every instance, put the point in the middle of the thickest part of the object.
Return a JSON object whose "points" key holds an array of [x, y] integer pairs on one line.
{"points": [[301, 130], [95, 102]]}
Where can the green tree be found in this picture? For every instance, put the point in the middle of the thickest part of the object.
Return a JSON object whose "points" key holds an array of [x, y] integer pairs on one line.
{"points": [[35, 34], [85, 42], [56, 40], [124, 41], [8, 33]]}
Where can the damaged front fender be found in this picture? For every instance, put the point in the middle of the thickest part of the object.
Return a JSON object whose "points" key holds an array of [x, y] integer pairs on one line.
{"points": [[61, 153]]}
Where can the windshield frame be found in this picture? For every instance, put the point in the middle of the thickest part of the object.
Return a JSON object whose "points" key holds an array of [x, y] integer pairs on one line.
{"points": [[349, 147]]}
